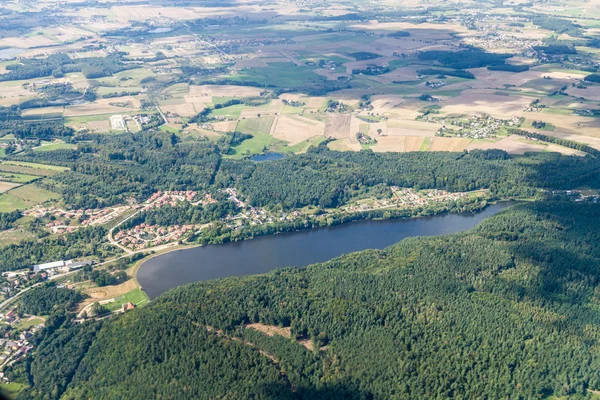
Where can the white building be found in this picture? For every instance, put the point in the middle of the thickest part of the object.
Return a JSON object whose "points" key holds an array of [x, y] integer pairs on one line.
{"points": [[54, 264]]}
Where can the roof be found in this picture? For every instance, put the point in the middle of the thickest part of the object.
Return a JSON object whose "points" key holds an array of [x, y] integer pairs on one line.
{"points": [[53, 264]]}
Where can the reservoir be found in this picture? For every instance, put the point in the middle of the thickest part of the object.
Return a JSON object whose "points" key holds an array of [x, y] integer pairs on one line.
{"points": [[293, 249]]}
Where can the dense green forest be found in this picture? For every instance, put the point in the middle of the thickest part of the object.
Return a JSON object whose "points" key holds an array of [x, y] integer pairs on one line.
{"points": [[507, 310], [48, 299]]}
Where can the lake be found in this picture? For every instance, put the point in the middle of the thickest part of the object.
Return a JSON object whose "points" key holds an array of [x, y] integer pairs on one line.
{"points": [[267, 157], [293, 249]]}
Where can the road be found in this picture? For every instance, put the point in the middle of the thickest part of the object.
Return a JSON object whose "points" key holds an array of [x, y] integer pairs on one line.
{"points": [[113, 241], [16, 296], [162, 115], [206, 43]]}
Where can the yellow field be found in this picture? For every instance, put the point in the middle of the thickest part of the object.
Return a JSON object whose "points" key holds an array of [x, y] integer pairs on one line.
{"points": [[295, 129]]}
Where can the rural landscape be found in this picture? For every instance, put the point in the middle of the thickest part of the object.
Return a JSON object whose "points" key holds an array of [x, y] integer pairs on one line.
{"points": [[133, 133]]}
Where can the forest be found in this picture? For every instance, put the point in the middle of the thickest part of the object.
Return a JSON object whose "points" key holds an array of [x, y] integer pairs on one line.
{"points": [[506, 310], [106, 170], [48, 299], [471, 57], [57, 65]]}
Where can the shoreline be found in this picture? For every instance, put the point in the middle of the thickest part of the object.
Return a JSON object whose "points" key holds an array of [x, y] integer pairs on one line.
{"points": [[135, 269]]}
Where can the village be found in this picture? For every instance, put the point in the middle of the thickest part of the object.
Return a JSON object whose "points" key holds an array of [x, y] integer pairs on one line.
{"points": [[476, 127], [63, 221], [404, 197]]}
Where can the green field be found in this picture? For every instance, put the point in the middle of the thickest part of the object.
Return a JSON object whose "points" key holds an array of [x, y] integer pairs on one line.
{"points": [[283, 74], [55, 146], [28, 323], [168, 129], [229, 112], [13, 236], [37, 166], [12, 389], [302, 147], [136, 296], [255, 145], [16, 177], [255, 125], [9, 203], [33, 194]]}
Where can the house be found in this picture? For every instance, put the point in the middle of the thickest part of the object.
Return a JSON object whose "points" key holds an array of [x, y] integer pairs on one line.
{"points": [[128, 306]]}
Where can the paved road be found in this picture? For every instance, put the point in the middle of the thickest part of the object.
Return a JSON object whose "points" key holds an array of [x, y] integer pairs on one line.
{"points": [[16, 296]]}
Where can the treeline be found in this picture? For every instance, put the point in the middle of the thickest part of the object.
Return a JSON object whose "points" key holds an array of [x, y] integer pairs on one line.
{"points": [[57, 65], [106, 170], [48, 299], [558, 25], [364, 55], [459, 73], [469, 58], [554, 49], [113, 168], [592, 78], [231, 139], [560, 141], [399, 34], [204, 115], [7, 219], [508, 67], [44, 131], [505, 309]]}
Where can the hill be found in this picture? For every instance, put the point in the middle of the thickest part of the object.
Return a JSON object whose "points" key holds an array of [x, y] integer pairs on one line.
{"points": [[509, 309]]}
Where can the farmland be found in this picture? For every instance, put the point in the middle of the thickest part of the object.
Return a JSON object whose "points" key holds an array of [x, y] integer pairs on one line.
{"points": [[278, 78], [129, 130]]}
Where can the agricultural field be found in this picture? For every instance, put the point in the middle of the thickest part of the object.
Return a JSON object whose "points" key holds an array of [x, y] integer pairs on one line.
{"points": [[24, 197], [281, 74]]}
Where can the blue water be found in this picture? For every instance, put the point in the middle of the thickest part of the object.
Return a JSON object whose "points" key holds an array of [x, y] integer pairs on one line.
{"points": [[268, 157], [293, 249]]}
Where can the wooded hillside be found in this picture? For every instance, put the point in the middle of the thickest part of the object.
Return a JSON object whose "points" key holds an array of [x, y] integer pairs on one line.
{"points": [[507, 310]]}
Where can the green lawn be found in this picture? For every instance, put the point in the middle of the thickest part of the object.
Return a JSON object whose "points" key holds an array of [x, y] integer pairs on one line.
{"points": [[136, 296], [255, 125]]}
